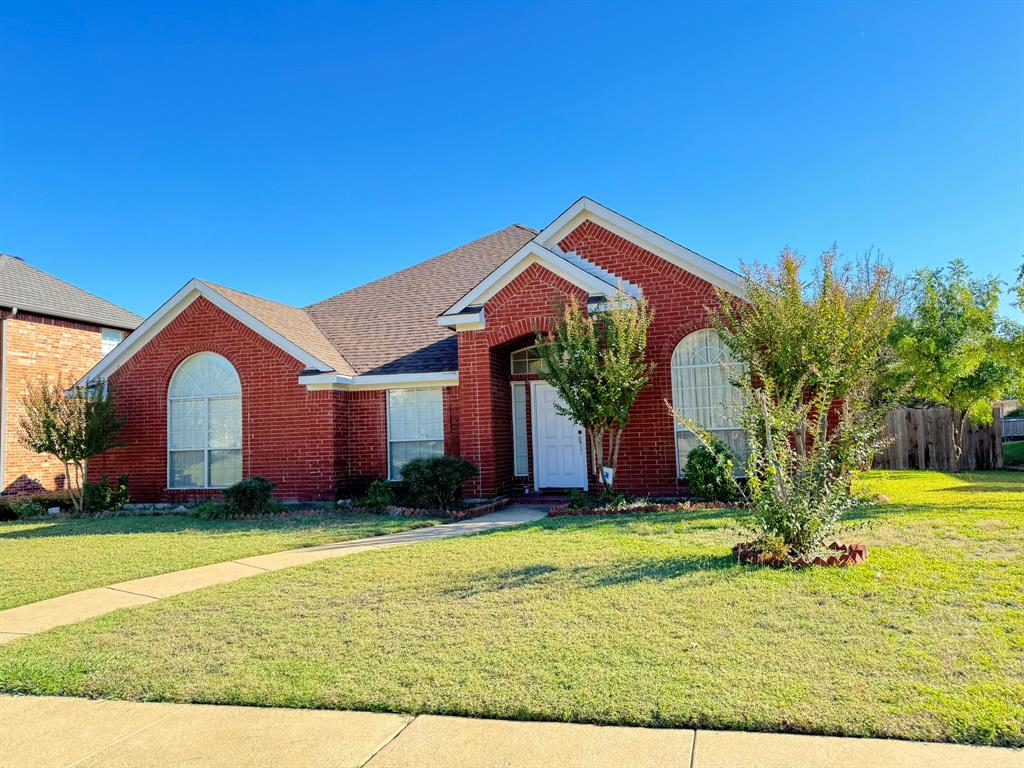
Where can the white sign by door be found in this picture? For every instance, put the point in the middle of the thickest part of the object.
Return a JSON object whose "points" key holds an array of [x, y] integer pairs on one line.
{"points": [[559, 443]]}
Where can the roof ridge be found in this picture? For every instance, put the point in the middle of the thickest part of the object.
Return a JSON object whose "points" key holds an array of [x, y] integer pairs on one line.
{"points": [[421, 263]]}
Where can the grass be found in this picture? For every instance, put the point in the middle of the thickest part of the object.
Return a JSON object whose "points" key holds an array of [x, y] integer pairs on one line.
{"points": [[46, 558], [635, 620], [1013, 453]]}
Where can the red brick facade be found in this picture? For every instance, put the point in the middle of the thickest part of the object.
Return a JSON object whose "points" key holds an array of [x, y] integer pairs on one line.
{"points": [[34, 348], [316, 443]]}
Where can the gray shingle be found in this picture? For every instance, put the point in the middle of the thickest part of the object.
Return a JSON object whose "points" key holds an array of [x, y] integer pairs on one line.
{"points": [[32, 290]]}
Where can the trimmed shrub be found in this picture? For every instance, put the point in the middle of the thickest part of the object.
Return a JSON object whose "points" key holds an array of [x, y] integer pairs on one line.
{"points": [[104, 497], [379, 495], [7, 510], [709, 472], [252, 496], [29, 508], [436, 483]]}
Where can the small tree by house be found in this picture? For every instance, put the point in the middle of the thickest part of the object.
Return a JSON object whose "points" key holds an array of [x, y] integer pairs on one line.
{"points": [[71, 425], [954, 348], [597, 363], [814, 392]]}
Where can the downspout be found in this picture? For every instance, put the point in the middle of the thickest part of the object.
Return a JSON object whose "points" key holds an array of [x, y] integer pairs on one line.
{"points": [[3, 393]]}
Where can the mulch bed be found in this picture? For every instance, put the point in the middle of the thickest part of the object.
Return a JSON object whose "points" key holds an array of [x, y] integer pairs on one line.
{"points": [[844, 555], [564, 510], [456, 514]]}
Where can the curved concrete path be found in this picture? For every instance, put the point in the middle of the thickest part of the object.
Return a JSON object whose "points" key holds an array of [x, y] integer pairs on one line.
{"points": [[49, 732], [78, 606]]}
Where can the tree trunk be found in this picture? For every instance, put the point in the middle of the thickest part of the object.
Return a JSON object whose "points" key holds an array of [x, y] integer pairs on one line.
{"points": [[957, 439], [615, 440]]}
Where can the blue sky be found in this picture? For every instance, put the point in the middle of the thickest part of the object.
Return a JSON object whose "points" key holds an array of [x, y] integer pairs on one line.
{"points": [[295, 150]]}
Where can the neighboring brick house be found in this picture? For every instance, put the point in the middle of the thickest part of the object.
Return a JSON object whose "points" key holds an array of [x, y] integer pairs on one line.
{"points": [[433, 359], [48, 329]]}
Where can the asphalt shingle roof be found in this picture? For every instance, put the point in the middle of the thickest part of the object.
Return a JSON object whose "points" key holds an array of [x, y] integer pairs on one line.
{"points": [[32, 290], [390, 325]]}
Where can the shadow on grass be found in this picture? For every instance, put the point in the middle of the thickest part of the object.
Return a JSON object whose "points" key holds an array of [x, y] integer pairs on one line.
{"points": [[102, 526], [593, 577]]}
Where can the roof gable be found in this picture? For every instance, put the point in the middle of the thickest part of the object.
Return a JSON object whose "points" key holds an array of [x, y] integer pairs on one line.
{"points": [[32, 290], [586, 209]]}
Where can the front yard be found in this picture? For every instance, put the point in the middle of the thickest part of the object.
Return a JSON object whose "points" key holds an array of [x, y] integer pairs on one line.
{"points": [[639, 620], [46, 558]]}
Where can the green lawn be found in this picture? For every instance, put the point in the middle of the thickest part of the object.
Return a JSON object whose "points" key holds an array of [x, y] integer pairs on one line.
{"points": [[46, 558], [1013, 453], [638, 620]]}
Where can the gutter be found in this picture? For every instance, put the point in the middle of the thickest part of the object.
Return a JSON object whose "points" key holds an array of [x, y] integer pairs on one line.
{"points": [[317, 380]]}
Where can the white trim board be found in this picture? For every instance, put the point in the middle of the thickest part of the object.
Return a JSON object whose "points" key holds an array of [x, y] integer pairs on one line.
{"points": [[316, 381], [531, 253], [586, 209], [173, 307]]}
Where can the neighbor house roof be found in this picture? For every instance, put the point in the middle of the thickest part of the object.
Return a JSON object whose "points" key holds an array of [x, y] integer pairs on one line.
{"points": [[32, 290]]}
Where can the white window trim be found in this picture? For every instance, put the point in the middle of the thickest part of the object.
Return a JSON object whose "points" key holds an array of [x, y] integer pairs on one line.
{"points": [[116, 343], [515, 434], [511, 361], [206, 437], [676, 426], [387, 418]]}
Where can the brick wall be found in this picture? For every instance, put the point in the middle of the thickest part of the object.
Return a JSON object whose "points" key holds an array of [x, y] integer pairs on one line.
{"points": [[36, 348], [680, 300], [289, 434]]}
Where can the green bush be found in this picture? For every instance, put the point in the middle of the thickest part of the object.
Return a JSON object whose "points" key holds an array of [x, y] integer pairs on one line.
{"points": [[379, 495], [578, 499], [9, 504], [709, 472], [252, 496], [211, 510], [436, 483], [104, 497], [29, 508], [7, 510]]}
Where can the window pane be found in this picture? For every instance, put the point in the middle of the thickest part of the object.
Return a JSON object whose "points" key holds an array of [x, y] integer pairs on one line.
{"points": [[702, 390], [225, 468], [186, 469], [520, 455], [205, 375], [404, 452], [109, 339], [188, 424], [415, 414], [226, 422]]}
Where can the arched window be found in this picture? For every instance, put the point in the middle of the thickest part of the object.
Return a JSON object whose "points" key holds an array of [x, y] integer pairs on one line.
{"points": [[702, 367], [526, 361], [204, 424]]}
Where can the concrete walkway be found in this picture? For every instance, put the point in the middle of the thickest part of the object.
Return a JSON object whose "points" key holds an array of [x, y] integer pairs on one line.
{"points": [[47, 732], [78, 606]]}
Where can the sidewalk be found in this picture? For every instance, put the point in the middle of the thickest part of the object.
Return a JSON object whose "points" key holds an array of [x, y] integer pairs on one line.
{"points": [[79, 606], [48, 732]]}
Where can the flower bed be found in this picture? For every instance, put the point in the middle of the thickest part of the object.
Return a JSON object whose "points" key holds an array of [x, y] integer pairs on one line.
{"points": [[455, 514], [845, 555], [564, 510]]}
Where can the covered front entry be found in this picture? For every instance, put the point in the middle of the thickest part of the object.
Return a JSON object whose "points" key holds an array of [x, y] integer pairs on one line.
{"points": [[559, 443]]}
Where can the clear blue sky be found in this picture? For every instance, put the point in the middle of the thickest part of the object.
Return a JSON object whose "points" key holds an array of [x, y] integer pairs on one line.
{"points": [[295, 150]]}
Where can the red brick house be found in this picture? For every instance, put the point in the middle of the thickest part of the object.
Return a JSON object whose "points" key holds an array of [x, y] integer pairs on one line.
{"points": [[48, 329], [433, 359]]}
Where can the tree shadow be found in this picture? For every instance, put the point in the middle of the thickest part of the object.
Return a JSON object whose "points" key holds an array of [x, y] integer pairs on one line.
{"points": [[630, 571]]}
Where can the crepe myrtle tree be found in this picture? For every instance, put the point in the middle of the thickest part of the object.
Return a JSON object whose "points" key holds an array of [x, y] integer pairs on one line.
{"points": [[597, 363], [72, 424]]}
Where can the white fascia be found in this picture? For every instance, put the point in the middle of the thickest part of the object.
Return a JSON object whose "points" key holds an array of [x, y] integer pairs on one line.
{"points": [[531, 253], [173, 307], [470, 320], [586, 209], [314, 381]]}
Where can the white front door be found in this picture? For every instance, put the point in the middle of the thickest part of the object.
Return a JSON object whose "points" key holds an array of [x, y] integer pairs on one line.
{"points": [[559, 443]]}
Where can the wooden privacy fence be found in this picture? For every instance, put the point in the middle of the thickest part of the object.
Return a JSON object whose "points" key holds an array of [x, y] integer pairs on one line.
{"points": [[1013, 428], [922, 439]]}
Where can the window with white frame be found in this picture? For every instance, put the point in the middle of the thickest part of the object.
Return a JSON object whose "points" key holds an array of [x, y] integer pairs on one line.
{"points": [[110, 338], [520, 454], [526, 361], [415, 427], [204, 424], [702, 369]]}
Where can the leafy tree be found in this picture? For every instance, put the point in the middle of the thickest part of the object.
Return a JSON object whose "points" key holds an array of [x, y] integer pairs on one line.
{"points": [[597, 363], [815, 391], [72, 426], [954, 348]]}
